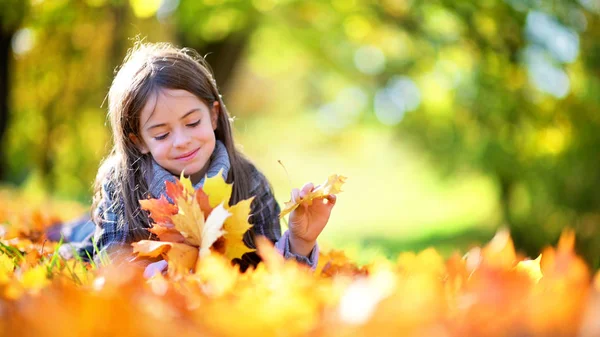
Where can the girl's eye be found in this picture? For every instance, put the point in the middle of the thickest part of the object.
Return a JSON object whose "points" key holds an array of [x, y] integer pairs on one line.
{"points": [[161, 137], [193, 124]]}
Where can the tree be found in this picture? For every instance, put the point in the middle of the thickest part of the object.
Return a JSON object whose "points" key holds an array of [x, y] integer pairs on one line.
{"points": [[11, 15]]}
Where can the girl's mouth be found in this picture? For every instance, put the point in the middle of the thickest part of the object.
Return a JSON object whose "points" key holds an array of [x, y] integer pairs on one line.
{"points": [[188, 155]]}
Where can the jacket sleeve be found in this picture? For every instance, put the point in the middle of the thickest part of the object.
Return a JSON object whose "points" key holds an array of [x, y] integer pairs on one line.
{"points": [[265, 220], [111, 227]]}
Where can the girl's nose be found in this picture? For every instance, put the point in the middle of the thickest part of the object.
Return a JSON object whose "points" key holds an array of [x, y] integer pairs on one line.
{"points": [[181, 139]]}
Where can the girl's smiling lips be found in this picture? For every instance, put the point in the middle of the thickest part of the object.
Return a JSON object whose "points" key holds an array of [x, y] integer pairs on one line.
{"points": [[188, 156]]}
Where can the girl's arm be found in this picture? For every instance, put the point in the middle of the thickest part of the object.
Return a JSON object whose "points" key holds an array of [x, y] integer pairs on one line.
{"points": [[265, 220], [109, 238]]}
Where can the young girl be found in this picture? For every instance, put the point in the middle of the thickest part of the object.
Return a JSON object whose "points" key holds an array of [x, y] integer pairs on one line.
{"points": [[167, 117]]}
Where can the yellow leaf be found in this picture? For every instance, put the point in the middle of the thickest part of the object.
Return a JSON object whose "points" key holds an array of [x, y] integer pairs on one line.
{"points": [[76, 271], [187, 184], [151, 248], [218, 190], [189, 220], [213, 228], [235, 227], [6, 268], [181, 258], [216, 274], [531, 268], [500, 251], [333, 185], [35, 279]]}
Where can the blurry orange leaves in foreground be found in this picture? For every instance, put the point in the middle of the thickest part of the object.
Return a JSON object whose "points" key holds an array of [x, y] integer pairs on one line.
{"points": [[490, 291]]}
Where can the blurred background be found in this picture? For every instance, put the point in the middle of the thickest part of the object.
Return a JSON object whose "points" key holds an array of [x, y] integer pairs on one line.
{"points": [[450, 119]]}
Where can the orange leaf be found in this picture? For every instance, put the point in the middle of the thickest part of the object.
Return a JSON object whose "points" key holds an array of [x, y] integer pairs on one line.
{"points": [[160, 210], [202, 200], [167, 234], [151, 248], [563, 263], [500, 251]]}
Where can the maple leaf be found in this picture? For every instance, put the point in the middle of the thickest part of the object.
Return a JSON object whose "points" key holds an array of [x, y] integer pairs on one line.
{"points": [[161, 210], [189, 221], [235, 227], [180, 256], [500, 251], [333, 185], [531, 268], [218, 190], [212, 229], [562, 263], [167, 233], [6, 268], [202, 200]]}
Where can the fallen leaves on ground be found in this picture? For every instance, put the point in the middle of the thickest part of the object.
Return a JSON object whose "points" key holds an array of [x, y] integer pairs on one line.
{"points": [[490, 291]]}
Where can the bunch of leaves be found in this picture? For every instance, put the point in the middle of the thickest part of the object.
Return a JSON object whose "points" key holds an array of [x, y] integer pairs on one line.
{"points": [[196, 223]]}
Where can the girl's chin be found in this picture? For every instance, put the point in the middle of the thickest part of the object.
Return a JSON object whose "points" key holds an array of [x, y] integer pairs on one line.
{"points": [[193, 170]]}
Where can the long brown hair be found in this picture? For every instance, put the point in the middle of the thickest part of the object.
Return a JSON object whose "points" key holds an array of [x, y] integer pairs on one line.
{"points": [[146, 69]]}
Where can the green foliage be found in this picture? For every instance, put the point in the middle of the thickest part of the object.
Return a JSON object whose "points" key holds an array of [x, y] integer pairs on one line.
{"points": [[461, 80]]}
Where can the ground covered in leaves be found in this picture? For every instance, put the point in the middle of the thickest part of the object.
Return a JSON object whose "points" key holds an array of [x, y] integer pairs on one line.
{"points": [[487, 291]]}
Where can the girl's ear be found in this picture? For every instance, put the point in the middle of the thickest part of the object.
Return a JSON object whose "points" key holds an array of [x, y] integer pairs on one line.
{"points": [[139, 143], [214, 114]]}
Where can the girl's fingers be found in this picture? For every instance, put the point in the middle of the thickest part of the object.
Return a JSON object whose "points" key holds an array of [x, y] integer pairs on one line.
{"points": [[155, 268], [331, 199], [306, 189], [295, 195]]}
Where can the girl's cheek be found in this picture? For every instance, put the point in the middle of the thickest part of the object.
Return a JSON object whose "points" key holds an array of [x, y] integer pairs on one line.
{"points": [[162, 148]]}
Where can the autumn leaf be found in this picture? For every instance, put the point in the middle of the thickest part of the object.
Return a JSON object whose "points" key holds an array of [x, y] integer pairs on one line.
{"points": [[333, 185], [531, 268], [218, 190], [6, 268], [150, 248], [161, 210], [562, 263], [212, 229], [189, 221], [181, 257], [203, 202], [235, 227], [167, 233], [500, 251]]}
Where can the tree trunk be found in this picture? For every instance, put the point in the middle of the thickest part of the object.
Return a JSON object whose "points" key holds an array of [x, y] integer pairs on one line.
{"points": [[5, 60]]}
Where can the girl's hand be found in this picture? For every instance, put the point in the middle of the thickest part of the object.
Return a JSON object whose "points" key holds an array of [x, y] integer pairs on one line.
{"points": [[307, 222], [155, 268]]}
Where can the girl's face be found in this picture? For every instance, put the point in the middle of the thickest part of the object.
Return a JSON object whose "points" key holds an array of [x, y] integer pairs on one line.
{"points": [[177, 129]]}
